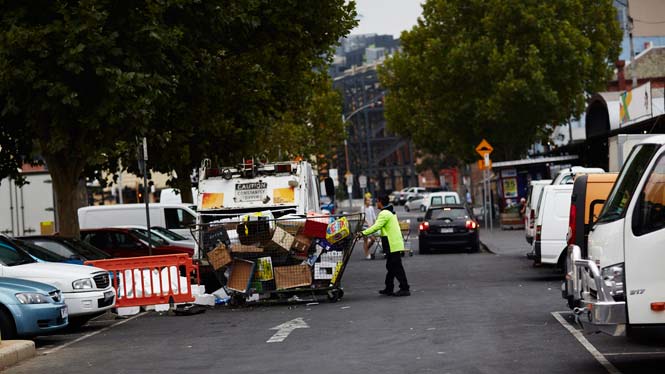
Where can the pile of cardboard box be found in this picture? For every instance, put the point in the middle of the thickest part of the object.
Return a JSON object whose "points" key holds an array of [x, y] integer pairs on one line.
{"points": [[282, 255]]}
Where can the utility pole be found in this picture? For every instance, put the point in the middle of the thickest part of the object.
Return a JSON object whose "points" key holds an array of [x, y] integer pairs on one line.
{"points": [[629, 26], [143, 166]]}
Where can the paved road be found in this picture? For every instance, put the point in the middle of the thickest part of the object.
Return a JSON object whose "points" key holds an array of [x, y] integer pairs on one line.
{"points": [[469, 313]]}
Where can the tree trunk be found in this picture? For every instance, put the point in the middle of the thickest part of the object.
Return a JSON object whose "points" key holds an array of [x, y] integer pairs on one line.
{"points": [[184, 184], [66, 179]]}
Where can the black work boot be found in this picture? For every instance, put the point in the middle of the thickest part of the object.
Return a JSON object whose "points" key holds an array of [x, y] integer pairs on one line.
{"points": [[402, 293], [386, 292]]}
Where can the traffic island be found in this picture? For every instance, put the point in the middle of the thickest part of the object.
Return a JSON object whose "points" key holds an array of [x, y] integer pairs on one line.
{"points": [[15, 351]]}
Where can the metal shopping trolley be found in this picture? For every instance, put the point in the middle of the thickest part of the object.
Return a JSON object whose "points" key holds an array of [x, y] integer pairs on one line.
{"points": [[405, 228], [262, 259]]}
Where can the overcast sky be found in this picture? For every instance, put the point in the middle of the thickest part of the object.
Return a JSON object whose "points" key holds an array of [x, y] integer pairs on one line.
{"points": [[386, 16]]}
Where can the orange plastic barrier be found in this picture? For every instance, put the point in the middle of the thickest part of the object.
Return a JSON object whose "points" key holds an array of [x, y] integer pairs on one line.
{"points": [[150, 280]]}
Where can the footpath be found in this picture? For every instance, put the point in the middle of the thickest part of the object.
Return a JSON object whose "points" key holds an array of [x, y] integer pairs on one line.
{"points": [[505, 242], [15, 351]]}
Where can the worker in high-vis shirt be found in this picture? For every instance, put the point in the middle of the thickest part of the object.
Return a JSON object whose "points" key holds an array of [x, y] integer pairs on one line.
{"points": [[393, 246]]}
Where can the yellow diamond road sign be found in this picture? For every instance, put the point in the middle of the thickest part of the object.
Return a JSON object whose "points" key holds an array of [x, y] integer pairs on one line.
{"points": [[484, 148]]}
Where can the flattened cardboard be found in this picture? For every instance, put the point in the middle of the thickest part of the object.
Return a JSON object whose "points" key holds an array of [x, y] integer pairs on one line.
{"points": [[293, 276], [242, 248], [264, 269], [242, 272]]}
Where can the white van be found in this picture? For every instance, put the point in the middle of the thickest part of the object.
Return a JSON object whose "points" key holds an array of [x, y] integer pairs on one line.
{"points": [[552, 224], [535, 190], [567, 176], [622, 283], [440, 198], [175, 217]]}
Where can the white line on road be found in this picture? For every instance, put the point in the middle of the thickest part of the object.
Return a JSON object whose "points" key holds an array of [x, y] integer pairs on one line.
{"points": [[634, 354], [589, 347], [86, 336], [285, 329]]}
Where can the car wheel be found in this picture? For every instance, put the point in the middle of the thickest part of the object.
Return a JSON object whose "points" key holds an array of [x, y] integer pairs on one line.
{"points": [[7, 326], [406, 207]]}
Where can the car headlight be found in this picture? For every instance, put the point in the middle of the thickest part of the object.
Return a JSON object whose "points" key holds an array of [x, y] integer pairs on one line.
{"points": [[32, 298], [82, 284], [613, 278]]}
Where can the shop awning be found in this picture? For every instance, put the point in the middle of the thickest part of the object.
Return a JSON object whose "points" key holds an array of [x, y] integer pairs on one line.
{"points": [[533, 161]]}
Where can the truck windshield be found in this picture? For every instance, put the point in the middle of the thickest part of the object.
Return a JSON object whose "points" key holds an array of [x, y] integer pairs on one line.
{"points": [[629, 177]]}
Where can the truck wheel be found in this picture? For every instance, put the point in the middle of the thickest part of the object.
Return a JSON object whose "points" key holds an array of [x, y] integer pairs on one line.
{"points": [[7, 326]]}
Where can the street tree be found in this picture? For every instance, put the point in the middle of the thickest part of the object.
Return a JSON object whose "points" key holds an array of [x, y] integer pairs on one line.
{"points": [[75, 77], [246, 78], [504, 70]]}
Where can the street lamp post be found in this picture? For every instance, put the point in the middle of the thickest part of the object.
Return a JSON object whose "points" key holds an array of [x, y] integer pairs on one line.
{"points": [[345, 120]]}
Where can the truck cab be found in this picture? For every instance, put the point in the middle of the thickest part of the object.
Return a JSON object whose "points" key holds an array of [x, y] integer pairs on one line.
{"points": [[621, 282]]}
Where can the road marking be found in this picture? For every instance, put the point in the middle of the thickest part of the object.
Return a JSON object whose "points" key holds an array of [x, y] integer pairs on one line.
{"points": [[634, 353], [285, 329], [86, 336], [589, 347]]}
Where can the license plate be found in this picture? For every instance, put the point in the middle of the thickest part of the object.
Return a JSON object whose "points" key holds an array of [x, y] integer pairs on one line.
{"points": [[63, 312], [447, 230], [108, 295]]}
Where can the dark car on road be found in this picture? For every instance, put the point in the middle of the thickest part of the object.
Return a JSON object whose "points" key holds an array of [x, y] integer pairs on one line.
{"points": [[448, 227], [127, 242], [74, 251]]}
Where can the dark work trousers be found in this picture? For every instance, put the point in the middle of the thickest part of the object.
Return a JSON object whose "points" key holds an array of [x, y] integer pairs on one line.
{"points": [[395, 270]]}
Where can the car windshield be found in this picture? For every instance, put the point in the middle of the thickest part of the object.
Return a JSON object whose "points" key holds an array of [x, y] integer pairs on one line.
{"points": [[12, 255], [71, 248], [154, 239], [626, 183], [446, 213], [167, 233], [39, 252]]}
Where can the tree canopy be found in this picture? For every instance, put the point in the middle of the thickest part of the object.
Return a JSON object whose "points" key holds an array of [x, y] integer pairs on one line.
{"points": [[497, 69], [81, 80]]}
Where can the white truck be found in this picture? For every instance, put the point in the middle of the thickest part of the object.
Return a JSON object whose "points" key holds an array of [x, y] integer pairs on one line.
{"points": [[621, 285], [24, 209], [281, 188]]}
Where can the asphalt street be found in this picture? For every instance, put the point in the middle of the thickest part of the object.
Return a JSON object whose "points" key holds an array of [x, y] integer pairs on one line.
{"points": [[468, 313]]}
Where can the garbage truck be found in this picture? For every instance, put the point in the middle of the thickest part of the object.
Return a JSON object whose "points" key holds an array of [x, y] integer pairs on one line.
{"points": [[620, 283], [279, 188]]}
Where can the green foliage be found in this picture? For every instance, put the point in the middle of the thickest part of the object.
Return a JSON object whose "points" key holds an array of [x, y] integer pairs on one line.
{"points": [[497, 69]]}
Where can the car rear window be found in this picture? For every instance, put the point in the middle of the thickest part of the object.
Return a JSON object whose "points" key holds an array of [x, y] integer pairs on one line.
{"points": [[450, 213]]}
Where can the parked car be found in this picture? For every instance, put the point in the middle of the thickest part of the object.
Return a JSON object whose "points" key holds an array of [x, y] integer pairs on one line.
{"points": [[87, 290], [73, 251], [394, 196], [552, 224], [414, 202], [172, 238], [123, 242], [535, 189], [29, 308], [405, 194], [440, 198], [589, 194], [448, 227], [176, 217]]}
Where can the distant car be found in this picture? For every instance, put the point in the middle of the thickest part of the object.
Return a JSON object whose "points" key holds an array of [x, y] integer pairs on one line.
{"points": [[394, 196], [448, 227], [415, 203], [29, 308], [73, 251], [123, 242], [411, 191]]}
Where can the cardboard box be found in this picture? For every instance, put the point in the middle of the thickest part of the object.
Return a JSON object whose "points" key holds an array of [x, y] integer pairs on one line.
{"points": [[337, 230], [219, 257], [293, 276], [242, 248], [264, 269], [301, 245], [315, 227], [282, 238], [242, 272]]}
